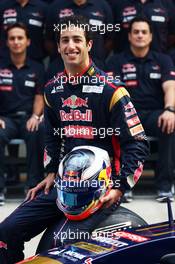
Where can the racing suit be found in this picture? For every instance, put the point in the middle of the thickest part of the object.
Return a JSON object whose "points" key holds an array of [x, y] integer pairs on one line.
{"points": [[86, 110]]}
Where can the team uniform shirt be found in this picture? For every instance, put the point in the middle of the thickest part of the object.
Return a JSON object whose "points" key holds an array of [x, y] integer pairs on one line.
{"points": [[18, 87], [98, 113], [143, 77], [159, 12], [97, 12], [33, 14]]}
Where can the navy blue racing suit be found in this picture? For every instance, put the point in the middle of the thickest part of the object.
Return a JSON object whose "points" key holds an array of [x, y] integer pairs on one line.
{"points": [[87, 110]]}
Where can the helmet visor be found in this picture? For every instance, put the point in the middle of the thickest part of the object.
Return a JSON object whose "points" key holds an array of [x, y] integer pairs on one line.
{"points": [[78, 194], [75, 200]]}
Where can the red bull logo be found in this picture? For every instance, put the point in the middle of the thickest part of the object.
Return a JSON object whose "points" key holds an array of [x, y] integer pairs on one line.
{"points": [[76, 115], [71, 173], [73, 102]]}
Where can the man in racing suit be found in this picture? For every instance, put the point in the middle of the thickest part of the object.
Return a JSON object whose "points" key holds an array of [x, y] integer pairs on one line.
{"points": [[83, 107]]}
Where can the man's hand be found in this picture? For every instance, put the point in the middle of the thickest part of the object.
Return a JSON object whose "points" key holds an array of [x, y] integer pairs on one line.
{"points": [[45, 184], [113, 196], [32, 124], [167, 122], [2, 124]]}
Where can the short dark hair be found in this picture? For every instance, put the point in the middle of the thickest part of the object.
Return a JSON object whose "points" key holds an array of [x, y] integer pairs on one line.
{"points": [[140, 19], [18, 25], [76, 21]]}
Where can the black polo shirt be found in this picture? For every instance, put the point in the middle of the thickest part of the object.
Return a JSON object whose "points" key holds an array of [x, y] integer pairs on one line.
{"points": [[98, 12], [159, 12], [33, 14], [18, 87], [144, 77]]}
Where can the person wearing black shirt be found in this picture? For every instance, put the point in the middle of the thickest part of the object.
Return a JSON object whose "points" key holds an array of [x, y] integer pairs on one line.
{"points": [[21, 104], [33, 14], [150, 80]]}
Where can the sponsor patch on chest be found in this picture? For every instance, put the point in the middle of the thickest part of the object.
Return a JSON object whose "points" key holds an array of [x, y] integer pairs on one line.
{"points": [[92, 88]]}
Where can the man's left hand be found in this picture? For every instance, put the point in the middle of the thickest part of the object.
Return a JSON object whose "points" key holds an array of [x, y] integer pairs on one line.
{"points": [[32, 124], [167, 122], [113, 196]]}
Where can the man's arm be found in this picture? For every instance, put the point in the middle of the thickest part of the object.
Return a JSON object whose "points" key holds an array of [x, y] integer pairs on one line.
{"points": [[167, 119], [51, 152], [134, 147], [38, 106]]}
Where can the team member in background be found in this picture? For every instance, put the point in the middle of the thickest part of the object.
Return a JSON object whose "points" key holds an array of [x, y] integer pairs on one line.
{"points": [[21, 104], [33, 14], [159, 12], [99, 15], [150, 80]]}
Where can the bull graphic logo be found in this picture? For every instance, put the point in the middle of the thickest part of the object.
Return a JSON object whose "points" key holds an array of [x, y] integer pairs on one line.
{"points": [[73, 102]]}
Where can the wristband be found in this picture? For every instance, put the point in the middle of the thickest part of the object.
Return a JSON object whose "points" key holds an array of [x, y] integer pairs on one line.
{"points": [[36, 117], [170, 109]]}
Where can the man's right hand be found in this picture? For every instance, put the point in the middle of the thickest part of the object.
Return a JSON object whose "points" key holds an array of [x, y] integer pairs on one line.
{"points": [[2, 124], [45, 184]]}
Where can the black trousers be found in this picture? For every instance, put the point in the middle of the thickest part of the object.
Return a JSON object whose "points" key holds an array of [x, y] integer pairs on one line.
{"points": [[166, 144], [32, 217], [16, 128]]}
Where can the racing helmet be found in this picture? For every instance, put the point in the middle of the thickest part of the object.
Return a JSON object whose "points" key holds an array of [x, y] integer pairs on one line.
{"points": [[84, 176]]}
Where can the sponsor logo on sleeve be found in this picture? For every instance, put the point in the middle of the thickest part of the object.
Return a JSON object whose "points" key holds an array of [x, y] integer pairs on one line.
{"points": [[128, 106], [129, 110], [136, 130], [133, 121]]}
